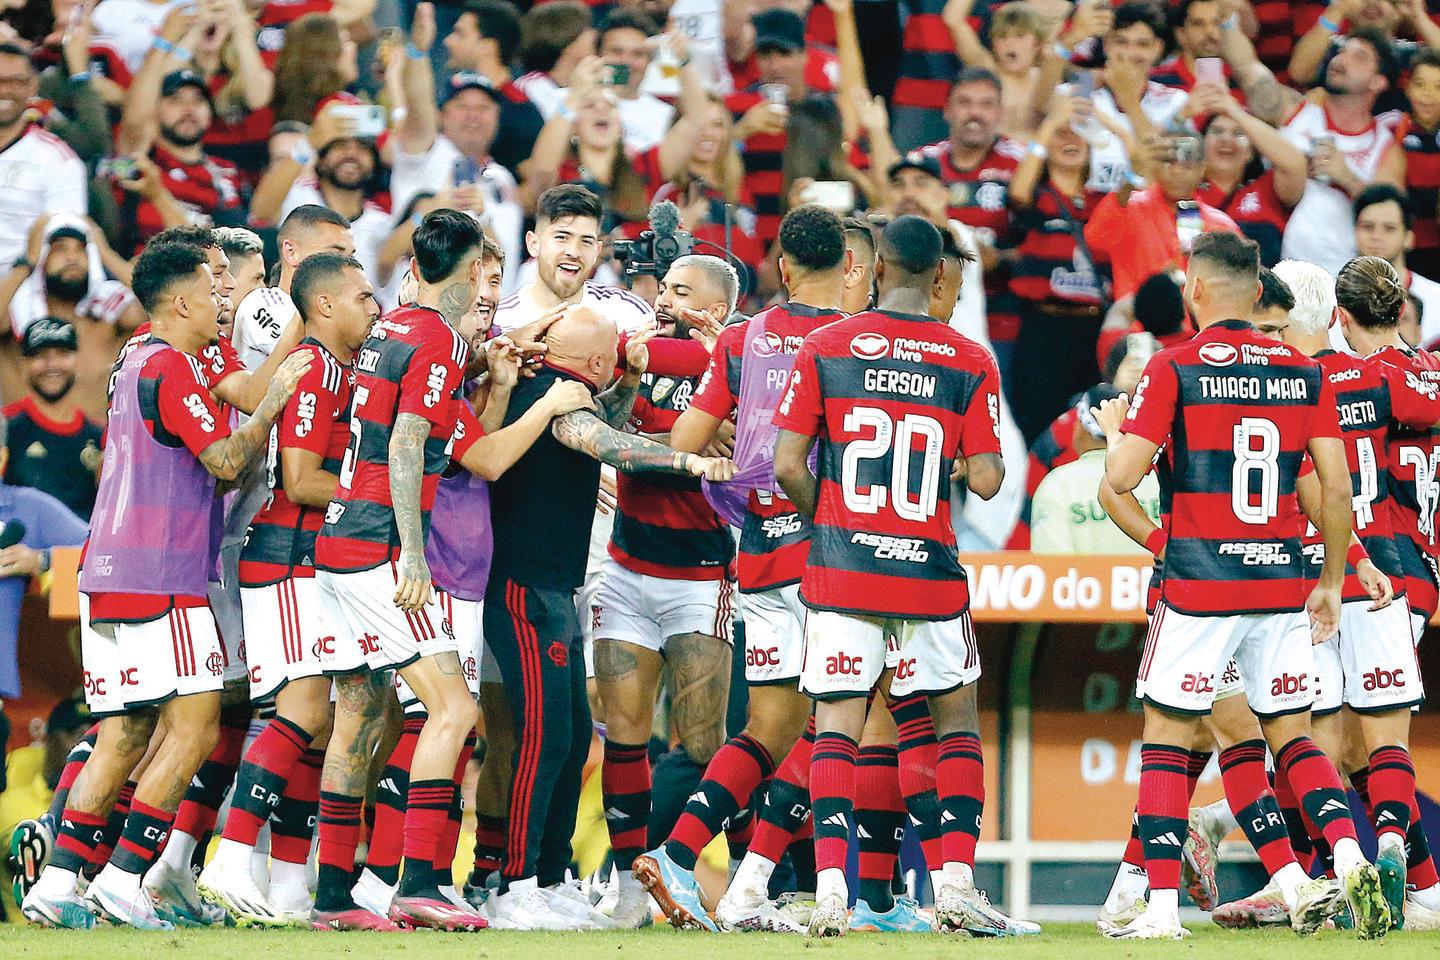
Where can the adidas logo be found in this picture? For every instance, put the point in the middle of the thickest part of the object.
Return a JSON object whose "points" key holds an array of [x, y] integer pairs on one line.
{"points": [[947, 817], [699, 797], [1332, 806], [615, 813], [388, 784], [836, 820], [914, 820], [196, 782], [1166, 840], [861, 832], [1386, 815]]}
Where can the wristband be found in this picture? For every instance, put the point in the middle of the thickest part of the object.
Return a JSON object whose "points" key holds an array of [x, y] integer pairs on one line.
{"points": [[181, 54], [566, 111], [1063, 52], [414, 52], [44, 561], [1155, 543], [1230, 22], [1328, 24], [1355, 554], [163, 45], [80, 77], [1038, 149], [302, 153]]}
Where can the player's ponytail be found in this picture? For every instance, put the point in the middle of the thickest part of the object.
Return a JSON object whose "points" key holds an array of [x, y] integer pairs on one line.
{"points": [[1371, 291]]}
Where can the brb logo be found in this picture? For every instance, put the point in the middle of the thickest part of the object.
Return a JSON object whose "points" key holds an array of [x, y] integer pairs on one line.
{"points": [[762, 657], [1384, 680], [1286, 685], [843, 665]]}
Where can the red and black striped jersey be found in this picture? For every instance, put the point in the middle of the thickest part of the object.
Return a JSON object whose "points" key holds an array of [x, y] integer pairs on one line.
{"points": [[412, 362], [1282, 23], [775, 539], [217, 360], [1256, 209], [1049, 265], [281, 540], [895, 399], [1414, 467], [1422, 182], [664, 526], [928, 64], [1235, 413]]}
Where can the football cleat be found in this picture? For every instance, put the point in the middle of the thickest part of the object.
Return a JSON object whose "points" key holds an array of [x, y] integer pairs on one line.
{"points": [[1419, 917], [123, 908], [176, 899], [905, 916], [353, 919], [1113, 919], [1198, 858], [236, 892], [674, 889], [1315, 902], [1367, 901], [831, 918], [524, 906], [737, 913], [30, 844], [966, 909], [570, 899], [796, 905], [1390, 864], [435, 914], [62, 913], [632, 908], [1264, 908], [1149, 926]]}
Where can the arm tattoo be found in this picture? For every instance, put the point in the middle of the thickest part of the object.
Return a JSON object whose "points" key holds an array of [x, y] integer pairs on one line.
{"points": [[700, 686], [1268, 100], [359, 721], [407, 469], [454, 301], [614, 405], [227, 459], [582, 431]]}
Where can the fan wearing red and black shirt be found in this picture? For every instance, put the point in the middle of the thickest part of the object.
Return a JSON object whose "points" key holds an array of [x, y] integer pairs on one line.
{"points": [[899, 403], [1234, 414], [288, 642], [665, 596], [374, 582], [774, 541], [148, 637]]}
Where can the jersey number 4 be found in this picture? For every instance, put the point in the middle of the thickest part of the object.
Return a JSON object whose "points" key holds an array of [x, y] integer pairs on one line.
{"points": [[895, 438]]}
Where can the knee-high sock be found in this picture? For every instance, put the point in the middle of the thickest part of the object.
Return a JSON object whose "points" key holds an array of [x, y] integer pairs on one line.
{"points": [[731, 777], [1163, 812], [1315, 781], [787, 801], [74, 763], [450, 836], [879, 823], [1392, 790], [625, 785], [265, 770], [387, 839], [832, 795], [960, 782], [1247, 790], [919, 756], [201, 806], [292, 825]]}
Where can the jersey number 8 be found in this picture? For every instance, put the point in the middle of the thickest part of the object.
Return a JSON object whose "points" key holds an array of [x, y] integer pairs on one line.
{"points": [[1255, 477]]}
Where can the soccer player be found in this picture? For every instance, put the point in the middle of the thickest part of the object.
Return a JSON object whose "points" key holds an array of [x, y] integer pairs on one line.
{"points": [[542, 510], [745, 379], [287, 642], [664, 597], [1236, 412], [147, 633], [375, 584], [883, 557]]}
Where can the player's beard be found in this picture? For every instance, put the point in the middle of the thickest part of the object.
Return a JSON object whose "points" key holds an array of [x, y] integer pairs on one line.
{"points": [[331, 176], [56, 395], [564, 285], [66, 289], [182, 139], [682, 326]]}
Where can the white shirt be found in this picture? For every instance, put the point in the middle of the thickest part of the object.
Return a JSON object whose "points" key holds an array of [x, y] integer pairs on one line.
{"points": [[542, 90], [434, 170], [644, 121], [1428, 293], [259, 320], [1109, 164], [39, 175], [370, 229], [703, 22], [130, 26], [627, 311]]}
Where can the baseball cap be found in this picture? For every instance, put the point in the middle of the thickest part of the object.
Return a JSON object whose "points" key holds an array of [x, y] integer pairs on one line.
{"points": [[177, 79], [1093, 397], [469, 80], [67, 232], [915, 160], [782, 29], [49, 332]]}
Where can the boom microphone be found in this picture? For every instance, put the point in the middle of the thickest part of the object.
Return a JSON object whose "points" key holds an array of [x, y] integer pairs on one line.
{"points": [[664, 218]]}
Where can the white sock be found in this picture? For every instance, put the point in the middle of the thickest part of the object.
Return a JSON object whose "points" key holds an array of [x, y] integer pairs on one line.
{"points": [[1391, 839], [937, 880], [831, 882], [1428, 898], [958, 874], [1348, 856], [288, 875], [752, 880], [179, 850], [1164, 904], [232, 853], [119, 881], [1288, 878], [1130, 885], [1222, 820], [56, 882]]}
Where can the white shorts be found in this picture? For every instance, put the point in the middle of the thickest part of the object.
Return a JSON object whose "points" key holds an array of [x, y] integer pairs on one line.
{"points": [[1185, 654], [587, 611], [370, 631], [133, 665], [464, 617], [647, 611], [284, 622], [1231, 683], [774, 634], [845, 655], [1376, 658], [1418, 623]]}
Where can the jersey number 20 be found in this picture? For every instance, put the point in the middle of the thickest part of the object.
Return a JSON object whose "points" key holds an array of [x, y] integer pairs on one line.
{"points": [[897, 438]]}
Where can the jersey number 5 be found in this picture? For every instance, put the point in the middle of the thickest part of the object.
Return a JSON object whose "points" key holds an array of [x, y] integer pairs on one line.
{"points": [[352, 450], [897, 439]]}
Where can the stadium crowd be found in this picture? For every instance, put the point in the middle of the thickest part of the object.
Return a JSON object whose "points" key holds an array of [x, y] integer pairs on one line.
{"points": [[255, 251]]}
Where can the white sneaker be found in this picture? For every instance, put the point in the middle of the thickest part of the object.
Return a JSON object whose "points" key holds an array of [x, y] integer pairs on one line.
{"points": [[741, 911], [632, 909], [966, 908], [374, 894], [567, 899], [124, 904], [292, 903], [831, 917], [1315, 902], [608, 890], [1150, 926], [175, 897], [1420, 917], [526, 907], [231, 885], [1113, 919]]}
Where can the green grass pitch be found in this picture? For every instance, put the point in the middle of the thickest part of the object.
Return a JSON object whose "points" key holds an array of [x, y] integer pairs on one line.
{"points": [[1059, 942]]}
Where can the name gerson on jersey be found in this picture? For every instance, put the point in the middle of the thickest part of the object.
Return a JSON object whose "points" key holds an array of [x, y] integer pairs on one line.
{"points": [[894, 399]]}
